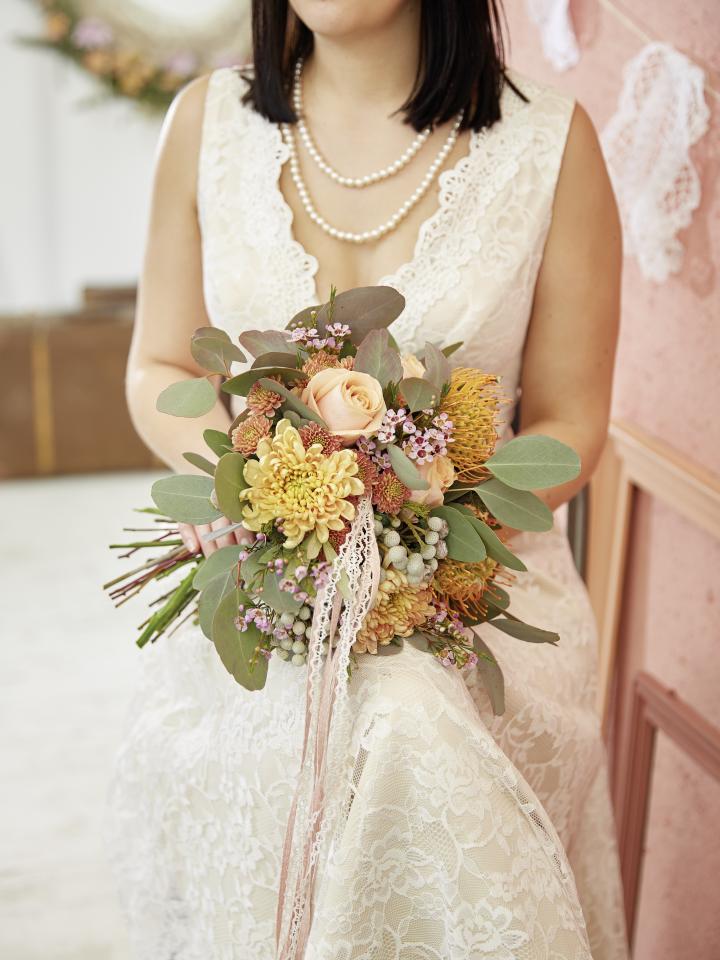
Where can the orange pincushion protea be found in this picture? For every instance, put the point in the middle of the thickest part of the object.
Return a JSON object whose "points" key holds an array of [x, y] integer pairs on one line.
{"points": [[472, 403], [463, 585]]}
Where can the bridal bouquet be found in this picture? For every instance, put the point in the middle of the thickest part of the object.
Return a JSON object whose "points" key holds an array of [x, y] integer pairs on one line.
{"points": [[353, 472]]}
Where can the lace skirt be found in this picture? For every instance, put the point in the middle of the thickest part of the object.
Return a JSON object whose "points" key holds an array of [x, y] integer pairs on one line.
{"points": [[453, 846]]}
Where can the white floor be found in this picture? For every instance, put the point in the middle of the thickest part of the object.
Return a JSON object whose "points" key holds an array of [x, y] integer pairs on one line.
{"points": [[67, 668]]}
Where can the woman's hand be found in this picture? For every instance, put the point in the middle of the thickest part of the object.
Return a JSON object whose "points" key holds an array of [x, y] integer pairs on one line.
{"points": [[193, 536]]}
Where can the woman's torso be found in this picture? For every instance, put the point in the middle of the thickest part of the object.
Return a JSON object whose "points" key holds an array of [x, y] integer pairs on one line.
{"points": [[476, 257]]}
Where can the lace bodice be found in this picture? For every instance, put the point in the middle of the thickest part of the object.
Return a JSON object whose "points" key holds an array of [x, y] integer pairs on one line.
{"points": [[476, 259]]}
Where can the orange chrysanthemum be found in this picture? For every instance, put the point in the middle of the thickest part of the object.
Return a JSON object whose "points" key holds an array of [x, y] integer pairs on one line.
{"points": [[399, 609], [248, 433]]}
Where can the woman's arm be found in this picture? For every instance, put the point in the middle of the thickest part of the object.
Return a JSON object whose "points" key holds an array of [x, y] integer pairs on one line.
{"points": [[569, 353], [170, 296]]}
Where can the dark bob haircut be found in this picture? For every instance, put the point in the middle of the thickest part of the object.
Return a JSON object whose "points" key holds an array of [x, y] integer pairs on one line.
{"points": [[461, 64]]}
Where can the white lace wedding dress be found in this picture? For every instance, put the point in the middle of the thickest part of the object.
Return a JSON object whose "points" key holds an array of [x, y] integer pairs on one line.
{"points": [[467, 836]]}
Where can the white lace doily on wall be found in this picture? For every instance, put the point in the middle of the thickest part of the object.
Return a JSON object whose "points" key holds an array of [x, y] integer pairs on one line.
{"points": [[552, 17], [661, 113]]}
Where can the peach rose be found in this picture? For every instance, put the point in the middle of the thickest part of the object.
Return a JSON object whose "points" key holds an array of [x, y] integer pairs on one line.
{"points": [[351, 403], [411, 366], [440, 474]]}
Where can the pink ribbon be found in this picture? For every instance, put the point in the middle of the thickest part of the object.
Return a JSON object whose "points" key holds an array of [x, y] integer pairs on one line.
{"points": [[315, 750]]}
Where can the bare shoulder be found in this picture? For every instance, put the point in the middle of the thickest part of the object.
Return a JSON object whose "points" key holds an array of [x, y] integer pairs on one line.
{"points": [[181, 136], [584, 203]]}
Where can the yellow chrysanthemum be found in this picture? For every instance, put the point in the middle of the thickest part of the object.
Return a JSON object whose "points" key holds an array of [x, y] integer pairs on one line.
{"points": [[306, 490], [399, 609], [462, 585], [472, 403]]}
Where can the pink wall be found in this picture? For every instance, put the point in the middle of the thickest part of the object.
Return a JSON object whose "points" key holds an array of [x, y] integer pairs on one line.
{"points": [[666, 381]]}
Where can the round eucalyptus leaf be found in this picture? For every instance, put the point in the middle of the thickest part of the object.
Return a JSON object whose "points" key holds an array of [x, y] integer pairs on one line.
{"points": [[188, 398], [520, 509], [534, 462], [229, 483], [185, 498], [236, 648]]}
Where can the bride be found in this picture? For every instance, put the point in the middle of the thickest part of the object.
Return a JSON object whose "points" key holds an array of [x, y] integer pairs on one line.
{"points": [[383, 141]]}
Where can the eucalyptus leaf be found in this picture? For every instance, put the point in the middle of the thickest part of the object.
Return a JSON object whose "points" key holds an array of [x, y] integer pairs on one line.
{"points": [[185, 498], [463, 541], [188, 398], [202, 463], [222, 560], [240, 385], [520, 509], [236, 648], [364, 309], [495, 547], [418, 394], [218, 441], [285, 360], [377, 358], [437, 368], [305, 317], [229, 483], [280, 600], [405, 469], [491, 675], [257, 342], [295, 403], [534, 462], [210, 597], [525, 631], [213, 350]]}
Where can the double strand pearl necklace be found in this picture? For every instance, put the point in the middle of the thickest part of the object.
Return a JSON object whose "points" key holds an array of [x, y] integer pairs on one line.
{"points": [[309, 144], [365, 236]]}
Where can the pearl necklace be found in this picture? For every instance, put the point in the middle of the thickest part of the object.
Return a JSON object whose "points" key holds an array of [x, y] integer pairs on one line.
{"points": [[356, 182], [366, 235]]}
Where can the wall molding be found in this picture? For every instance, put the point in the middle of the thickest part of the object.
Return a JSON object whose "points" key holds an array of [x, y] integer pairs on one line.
{"points": [[635, 460], [655, 709]]}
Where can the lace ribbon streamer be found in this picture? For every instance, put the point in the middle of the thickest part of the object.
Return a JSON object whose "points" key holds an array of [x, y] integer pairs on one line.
{"points": [[340, 609]]}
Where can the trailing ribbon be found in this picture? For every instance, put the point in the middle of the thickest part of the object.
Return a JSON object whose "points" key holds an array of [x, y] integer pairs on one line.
{"points": [[340, 610]]}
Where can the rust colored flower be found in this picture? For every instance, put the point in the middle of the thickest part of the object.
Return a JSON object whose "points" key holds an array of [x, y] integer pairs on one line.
{"points": [[389, 493], [262, 400], [57, 26], [367, 471], [248, 433], [399, 609], [314, 433], [472, 403], [322, 360], [337, 537]]}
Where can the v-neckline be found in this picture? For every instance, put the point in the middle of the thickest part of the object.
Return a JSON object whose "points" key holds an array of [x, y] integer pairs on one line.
{"points": [[311, 264]]}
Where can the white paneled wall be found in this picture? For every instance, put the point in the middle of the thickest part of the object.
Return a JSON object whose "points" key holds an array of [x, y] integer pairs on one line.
{"points": [[74, 177]]}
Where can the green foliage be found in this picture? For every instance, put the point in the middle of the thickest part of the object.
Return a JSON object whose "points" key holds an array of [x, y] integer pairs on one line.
{"points": [[229, 482], [418, 394], [437, 368], [295, 403], [219, 562], [218, 441], [237, 648], [377, 358], [405, 469], [185, 498], [524, 631], [491, 675], [188, 398], [363, 309], [463, 541], [515, 508], [534, 462], [202, 463], [213, 349], [257, 342], [240, 385]]}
